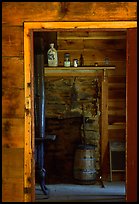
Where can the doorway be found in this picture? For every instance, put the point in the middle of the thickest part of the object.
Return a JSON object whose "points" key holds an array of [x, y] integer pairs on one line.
{"points": [[32, 103], [63, 114]]}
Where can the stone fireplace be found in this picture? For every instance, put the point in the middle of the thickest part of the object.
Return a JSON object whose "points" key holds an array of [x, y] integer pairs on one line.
{"points": [[73, 114]]}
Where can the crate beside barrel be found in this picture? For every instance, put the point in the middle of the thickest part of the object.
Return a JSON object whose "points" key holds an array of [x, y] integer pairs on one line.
{"points": [[84, 171]]}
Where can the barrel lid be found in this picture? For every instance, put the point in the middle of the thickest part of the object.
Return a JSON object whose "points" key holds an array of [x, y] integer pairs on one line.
{"points": [[81, 146]]}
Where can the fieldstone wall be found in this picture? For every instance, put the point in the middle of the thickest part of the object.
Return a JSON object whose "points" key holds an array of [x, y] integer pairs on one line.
{"points": [[73, 115]]}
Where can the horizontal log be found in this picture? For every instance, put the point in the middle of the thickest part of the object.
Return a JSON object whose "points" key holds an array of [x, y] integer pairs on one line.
{"points": [[12, 41], [13, 133], [13, 103], [79, 25], [16, 13], [12, 72]]}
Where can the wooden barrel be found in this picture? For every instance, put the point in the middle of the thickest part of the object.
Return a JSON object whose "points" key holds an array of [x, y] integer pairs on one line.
{"points": [[84, 164]]}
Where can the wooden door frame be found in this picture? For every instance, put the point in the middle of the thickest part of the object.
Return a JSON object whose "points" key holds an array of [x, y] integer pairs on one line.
{"points": [[29, 28]]}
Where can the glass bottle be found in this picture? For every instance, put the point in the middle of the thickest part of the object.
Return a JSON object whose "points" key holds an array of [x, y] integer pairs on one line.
{"points": [[67, 60], [81, 60], [106, 61], [52, 56]]}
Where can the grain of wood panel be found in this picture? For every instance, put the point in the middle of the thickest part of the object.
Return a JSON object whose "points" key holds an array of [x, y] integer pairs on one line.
{"points": [[94, 34], [67, 34], [117, 111], [115, 104], [119, 134], [116, 118], [12, 41], [119, 94], [117, 127], [118, 79], [13, 102], [115, 44], [12, 159], [12, 189], [12, 72], [69, 44], [98, 10], [12, 133], [120, 70], [16, 13], [117, 85], [12, 174]]}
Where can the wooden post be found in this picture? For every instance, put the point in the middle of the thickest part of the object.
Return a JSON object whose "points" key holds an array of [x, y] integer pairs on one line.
{"points": [[131, 117], [29, 190], [104, 125]]}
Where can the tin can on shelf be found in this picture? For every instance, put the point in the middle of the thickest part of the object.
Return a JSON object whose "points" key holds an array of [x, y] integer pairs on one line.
{"points": [[96, 64]]}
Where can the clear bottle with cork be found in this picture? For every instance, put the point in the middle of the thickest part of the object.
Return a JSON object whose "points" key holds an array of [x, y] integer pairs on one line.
{"points": [[52, 56]]}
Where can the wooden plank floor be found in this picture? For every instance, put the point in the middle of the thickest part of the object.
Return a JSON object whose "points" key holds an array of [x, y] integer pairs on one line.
{"points": [[113, 192]]}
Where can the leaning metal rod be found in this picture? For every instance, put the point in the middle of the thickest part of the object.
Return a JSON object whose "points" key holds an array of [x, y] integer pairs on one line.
{"points": [[83, 117], [40, 118]]}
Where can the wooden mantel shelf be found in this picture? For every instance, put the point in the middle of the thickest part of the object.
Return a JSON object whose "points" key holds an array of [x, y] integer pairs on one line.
{"points": [[76, 71]]}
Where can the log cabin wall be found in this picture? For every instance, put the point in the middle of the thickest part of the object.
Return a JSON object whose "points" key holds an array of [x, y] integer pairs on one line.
{"points": [[14, 14]]}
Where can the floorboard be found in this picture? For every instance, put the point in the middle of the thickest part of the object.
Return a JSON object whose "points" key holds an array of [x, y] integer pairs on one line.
{"points": [[113, 192]]}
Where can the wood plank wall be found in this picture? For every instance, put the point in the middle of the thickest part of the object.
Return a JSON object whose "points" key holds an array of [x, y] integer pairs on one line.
{"points": [[12, 113], [14, 14]]}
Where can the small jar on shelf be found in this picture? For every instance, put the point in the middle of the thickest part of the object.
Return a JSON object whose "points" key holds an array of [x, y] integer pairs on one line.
{"points": [[75, 62], [67, 60]]}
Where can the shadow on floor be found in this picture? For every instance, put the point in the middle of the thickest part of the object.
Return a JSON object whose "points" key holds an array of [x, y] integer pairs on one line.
{"points": [[113, 192]]}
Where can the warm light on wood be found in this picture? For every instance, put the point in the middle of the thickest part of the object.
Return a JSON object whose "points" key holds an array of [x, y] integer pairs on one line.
{"points": [[67, 26]]}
